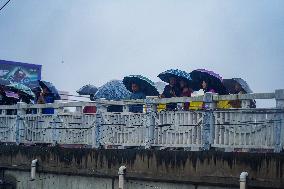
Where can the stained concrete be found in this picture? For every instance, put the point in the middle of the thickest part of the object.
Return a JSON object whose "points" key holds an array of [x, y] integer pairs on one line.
{"points": [[52, 181], [206, 168]]}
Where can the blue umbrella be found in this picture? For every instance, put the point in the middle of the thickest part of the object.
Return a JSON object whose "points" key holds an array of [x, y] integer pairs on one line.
{"points": [[179, 75], [87, 90], [51, 88], [146, 85], [231, 83], [113, 90], [23, 89]]}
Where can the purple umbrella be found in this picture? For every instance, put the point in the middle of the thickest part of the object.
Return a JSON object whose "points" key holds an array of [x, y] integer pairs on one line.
{"points": [[209, 73], [215, 79]]}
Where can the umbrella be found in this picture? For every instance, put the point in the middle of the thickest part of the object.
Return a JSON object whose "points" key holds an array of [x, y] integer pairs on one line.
{"points": [[231, 83], [51, 88], [179, 75], [4, 81], [87, 90], [113, 90], [145, 84], [215, 79], [21, 88]]}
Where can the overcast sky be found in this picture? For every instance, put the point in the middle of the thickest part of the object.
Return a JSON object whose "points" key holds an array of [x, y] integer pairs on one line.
{"points": [[90, 41]]}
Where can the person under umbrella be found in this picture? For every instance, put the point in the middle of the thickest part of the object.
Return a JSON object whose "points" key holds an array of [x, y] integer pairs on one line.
{"points": [[113, 90], [88, 90], [177, 81], [238, 86], [185, 92], [51, 89], [46, 97], [209, 81], [140, 87]]}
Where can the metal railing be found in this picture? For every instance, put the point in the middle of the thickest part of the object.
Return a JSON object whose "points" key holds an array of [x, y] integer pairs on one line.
{"points": [[244, 129]]}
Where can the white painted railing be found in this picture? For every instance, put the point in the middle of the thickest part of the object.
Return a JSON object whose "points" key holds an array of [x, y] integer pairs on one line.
{"points": [[229, 129]]}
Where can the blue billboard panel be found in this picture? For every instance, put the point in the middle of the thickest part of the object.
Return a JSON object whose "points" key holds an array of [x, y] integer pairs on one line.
{"points": [[24, 73]]}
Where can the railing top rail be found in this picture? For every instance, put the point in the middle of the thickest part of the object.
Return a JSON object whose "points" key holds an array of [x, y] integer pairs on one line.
{"points": [[149, 100]]}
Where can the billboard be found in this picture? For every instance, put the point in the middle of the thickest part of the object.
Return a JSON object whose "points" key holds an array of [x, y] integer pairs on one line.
{"points": [[24, 73]]}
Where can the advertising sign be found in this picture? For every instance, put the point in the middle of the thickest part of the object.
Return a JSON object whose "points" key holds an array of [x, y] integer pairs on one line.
{"points": [[24, 73]]}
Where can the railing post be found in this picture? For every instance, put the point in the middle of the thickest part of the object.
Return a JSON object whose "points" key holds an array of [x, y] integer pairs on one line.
{"points": [[55, 129], [279, 97], [126, 108], [19, 122], [151, 110], [208, 132], [96, 130], [58, 110], [279, 130]]}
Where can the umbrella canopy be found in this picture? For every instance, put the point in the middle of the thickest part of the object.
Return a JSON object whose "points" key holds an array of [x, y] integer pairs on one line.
{"points": [[4, 81], [179, 75], [215, 79], [87, 90], [231, 83], [145, 84], [51, 88], [21, 88], [113, 90]]}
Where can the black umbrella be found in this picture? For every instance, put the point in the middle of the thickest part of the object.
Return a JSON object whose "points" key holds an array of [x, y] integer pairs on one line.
{"points": [[51, 88], [145, 84], [87, 90]]}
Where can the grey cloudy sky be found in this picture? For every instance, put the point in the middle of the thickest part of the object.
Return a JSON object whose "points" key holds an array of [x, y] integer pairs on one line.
{"points": [[92, 41]]}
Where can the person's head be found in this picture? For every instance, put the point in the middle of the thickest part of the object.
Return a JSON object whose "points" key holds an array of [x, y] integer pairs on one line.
{"points": [[134, 87], [45, 90], [172, 81], [204, 84], [182, 84], [238, 88]]}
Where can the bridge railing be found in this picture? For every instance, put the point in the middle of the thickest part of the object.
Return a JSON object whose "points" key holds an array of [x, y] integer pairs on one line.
{"points": [[228, 129]]}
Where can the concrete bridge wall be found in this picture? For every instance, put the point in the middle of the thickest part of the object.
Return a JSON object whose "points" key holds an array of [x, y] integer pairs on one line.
{"points": [[205, 168], [53, 181]]}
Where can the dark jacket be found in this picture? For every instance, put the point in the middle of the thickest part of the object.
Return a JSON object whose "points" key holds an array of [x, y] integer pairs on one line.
{"points": [[137, 108]]}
